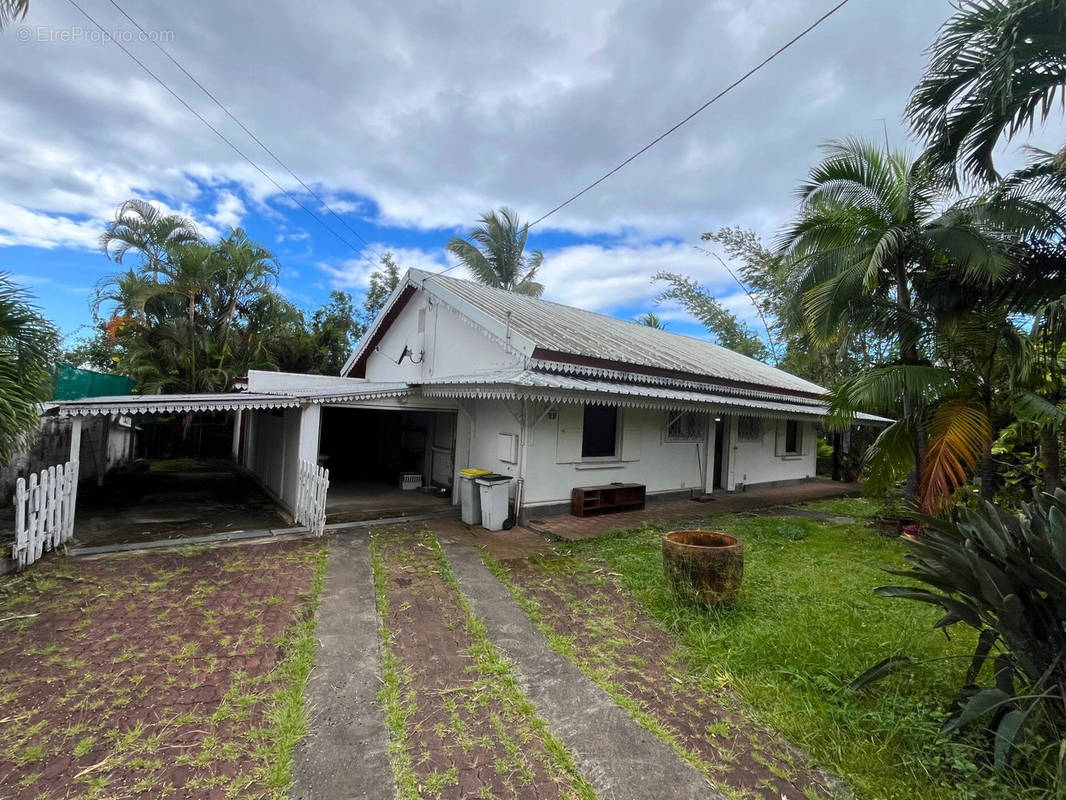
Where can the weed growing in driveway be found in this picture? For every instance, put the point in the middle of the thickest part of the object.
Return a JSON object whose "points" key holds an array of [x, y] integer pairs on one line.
{"points": [[288, 716], [477, 734], [397, 708], [118, 684], [493, 667]]}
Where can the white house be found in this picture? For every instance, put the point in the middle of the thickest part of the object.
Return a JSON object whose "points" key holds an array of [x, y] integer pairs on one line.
{"points": [[453, 374]]}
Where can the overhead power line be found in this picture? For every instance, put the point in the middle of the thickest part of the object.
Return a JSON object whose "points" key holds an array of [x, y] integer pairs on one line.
{"points": [[217, 132], [695, 113], [244, 128]]}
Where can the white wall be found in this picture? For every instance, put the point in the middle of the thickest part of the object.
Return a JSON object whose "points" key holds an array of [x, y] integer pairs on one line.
{"points": [[272, 454], [758, 462], [446, 344], [261, 380], [660, 465]]}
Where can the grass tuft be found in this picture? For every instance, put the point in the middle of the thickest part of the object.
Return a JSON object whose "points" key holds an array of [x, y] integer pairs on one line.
{"points": [[288, 715]]}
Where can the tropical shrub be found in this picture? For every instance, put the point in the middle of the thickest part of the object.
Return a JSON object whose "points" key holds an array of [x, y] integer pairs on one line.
{"points": [[1003, 575]]}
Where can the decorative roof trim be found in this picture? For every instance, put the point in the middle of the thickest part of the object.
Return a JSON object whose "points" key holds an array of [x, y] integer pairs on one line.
{"points": [[170, 404], [544, 365], [512, 392]]}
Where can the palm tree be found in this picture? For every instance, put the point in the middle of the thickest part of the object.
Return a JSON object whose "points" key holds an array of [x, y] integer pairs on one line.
{"points": [[495, 255], [651, 320], [27, 349], [12, 11], [141, 227], [874, 249], [996, 68]]}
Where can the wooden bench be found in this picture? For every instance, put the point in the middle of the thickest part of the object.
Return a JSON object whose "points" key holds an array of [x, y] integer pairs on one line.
{"points": [[611, 498]]}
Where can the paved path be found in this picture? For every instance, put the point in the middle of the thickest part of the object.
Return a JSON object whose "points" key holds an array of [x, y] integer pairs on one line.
{"points": [[345, 754], [576, 528], [619, 757]]}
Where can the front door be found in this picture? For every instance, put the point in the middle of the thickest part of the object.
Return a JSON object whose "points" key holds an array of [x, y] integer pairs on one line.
{"points": [[719, 449]]}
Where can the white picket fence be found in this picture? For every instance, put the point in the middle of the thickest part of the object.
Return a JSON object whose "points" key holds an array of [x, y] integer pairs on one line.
{"points": [[311, 497], [44, 512]]}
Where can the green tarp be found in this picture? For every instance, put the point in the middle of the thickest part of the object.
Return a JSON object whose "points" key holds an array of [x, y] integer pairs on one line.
{"points": [[71, 383]]}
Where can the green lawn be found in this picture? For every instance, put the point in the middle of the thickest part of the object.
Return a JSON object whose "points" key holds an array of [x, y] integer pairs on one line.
{"points": [[806, 624]]}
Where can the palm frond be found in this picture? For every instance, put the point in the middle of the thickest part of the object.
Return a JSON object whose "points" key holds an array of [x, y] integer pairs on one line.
{"points": [[960, 432], [13, 11]]}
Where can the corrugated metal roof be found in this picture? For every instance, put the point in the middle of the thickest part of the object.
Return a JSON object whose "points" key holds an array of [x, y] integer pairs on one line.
{"points": [[517, 383], [223, 401], [565, 329], [170, 403]]}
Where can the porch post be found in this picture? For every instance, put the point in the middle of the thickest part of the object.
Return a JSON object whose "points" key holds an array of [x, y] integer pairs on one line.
{"points": [[729, 451], [249, 443], [310, 422], [708, 454], [238, 418], [75, 440]]}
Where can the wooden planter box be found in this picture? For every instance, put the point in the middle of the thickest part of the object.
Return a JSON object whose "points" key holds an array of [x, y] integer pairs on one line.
{"points": [[610, 498]]}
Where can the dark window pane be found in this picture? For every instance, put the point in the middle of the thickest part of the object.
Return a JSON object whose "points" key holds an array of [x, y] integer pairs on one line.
{"points": [[599, 436], [791, 436]]}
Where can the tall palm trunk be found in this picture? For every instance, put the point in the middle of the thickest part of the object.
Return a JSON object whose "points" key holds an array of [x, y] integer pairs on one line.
{"points": [[192, 341], [1049, 454], [912, 409]]}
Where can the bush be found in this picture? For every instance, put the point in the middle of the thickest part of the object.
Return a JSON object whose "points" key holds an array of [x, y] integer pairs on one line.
{"points": [[1004, 576]]}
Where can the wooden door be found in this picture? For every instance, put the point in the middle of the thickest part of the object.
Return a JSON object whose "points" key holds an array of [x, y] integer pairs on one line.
{"points": [[442, 450]]}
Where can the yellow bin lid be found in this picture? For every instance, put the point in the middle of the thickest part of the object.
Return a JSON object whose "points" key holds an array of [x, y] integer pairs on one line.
{"points": [[475, 472]]}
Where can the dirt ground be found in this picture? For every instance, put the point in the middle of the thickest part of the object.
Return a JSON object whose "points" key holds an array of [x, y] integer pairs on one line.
{"points": [[465, 732], [610, 637], [191, 499], [147, 675]]}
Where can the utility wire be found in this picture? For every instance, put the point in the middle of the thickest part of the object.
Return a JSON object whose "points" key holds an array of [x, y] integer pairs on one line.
{"points": [[702, 108], [214, 130], [244, 128]]}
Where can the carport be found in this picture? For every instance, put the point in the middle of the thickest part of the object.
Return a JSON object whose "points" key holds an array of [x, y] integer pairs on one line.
{"points": [[367, 450], [365, 435], [180, 500]]}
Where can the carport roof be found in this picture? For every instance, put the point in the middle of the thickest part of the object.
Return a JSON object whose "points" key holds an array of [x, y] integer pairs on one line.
{"points": [[221, 401]]}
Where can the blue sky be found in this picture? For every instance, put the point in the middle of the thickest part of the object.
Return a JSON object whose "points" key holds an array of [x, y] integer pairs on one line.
{"points": [[412, 119]]}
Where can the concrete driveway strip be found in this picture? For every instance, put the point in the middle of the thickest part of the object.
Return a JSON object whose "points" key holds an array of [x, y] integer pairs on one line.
{"points": [[618, 756], [345, 755]]}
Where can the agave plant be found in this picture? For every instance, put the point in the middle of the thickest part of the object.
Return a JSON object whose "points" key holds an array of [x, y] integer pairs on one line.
{"points": [[1003, 575]]}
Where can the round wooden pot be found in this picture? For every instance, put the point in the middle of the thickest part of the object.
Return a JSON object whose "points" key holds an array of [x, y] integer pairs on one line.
{"points": [[704, 567]]}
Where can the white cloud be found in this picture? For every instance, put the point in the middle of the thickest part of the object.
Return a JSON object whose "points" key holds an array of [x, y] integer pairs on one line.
{"points": [[444, 122], [229, 210], [599, 278], [22, 226], [354, 273]]}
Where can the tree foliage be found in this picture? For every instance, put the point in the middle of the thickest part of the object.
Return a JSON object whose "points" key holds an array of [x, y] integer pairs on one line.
{"points": [[1004, 576], [719, 321], [28, 345], [191, 316], [997, 68], [495, 254], [12, 11]]}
